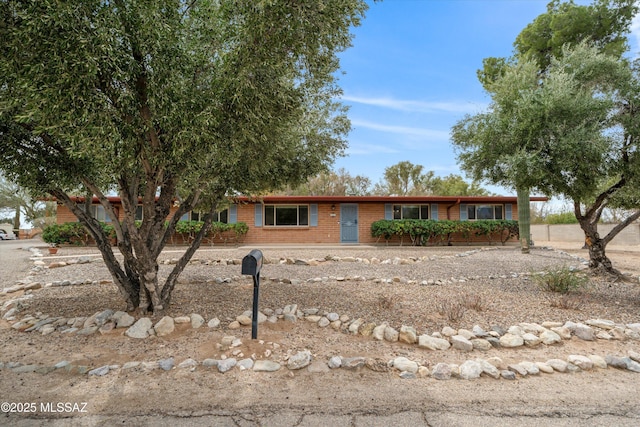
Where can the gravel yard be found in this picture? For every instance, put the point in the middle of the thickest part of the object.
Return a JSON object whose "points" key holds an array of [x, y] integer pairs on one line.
{"points": [[497, 279]]}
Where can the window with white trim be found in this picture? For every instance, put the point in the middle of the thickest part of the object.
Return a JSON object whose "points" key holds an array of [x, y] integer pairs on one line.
{"points": [[476, 212], [286, 215], [411, 212]]}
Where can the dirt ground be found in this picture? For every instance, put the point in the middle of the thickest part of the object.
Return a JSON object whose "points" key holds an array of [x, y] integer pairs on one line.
{"points": [[186, 393]]}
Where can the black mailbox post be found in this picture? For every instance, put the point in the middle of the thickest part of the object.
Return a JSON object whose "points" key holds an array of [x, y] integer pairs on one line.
{"points": [[251, 266]]}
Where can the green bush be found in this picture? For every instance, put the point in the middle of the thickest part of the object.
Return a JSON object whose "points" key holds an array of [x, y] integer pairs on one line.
{"points": [[563, 280], [421, 232], [72, 233], [561, 218]]}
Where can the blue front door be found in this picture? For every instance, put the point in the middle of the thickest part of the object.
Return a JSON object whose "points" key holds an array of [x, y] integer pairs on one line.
{"points": [[349, 223]]}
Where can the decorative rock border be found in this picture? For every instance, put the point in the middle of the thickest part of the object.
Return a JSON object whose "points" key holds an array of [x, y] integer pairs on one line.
{"points": [[524, 334]]}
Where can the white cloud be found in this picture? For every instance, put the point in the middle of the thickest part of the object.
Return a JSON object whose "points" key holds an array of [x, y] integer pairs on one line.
{"points": [[430, 134], [363, 148], [417, 106]]}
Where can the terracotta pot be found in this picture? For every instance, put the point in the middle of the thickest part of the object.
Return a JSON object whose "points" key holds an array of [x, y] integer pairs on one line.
{"points": [[53, 251]]}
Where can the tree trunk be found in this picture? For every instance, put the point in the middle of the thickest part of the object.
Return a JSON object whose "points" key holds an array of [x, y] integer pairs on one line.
{"points": [[598, 260], [524, 218]]}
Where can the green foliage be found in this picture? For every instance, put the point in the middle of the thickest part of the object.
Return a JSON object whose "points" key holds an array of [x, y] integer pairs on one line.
{"points": [[71, 233], [563, 280], [423, 232], [217, 228], [161, 101], [561, 218]]}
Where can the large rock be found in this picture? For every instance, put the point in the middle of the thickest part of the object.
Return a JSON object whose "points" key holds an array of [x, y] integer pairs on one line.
{"points": [[549, 337], [404, 364], [299, 360], [433, 343], [408, 335], [265, 366], [461, 343], [125, 320], [510, 340], [390, 334], [558, 364], [196, 320], [488, 368], [470, 370], [378, 332], [226, 365], [584, 332], [581, 362], [165, 326], [140, 329], [442, 371]]}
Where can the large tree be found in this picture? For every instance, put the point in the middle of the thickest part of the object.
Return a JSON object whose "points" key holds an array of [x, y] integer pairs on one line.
{"points": [[167, 102], [574, 135], [605, 23], [333, 183]]}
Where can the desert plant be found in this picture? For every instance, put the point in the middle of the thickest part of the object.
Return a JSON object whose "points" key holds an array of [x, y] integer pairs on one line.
{"points": [[561, 280], [572, 301], [451, 310], [473, 301]]}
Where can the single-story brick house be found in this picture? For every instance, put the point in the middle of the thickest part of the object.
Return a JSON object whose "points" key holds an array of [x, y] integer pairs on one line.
{"points": [[338, 219]]}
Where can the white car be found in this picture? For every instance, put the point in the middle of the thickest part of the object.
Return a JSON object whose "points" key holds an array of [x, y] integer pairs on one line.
{"points": [[7, 235]]}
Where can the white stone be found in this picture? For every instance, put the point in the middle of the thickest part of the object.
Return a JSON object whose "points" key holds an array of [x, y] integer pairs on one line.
{"points": [[299, 360], [563, 331], [140, 329], [196, 320], [408, 335], [543, 367], [378, 332], [516, 330], [433, 343], [549, 337], [214, 323], [461, 343], [488, 368], [531, 340], [165, 326], [532, 368], [581, 362], [509, 340], [598, 361], [558, 364], [405, 365], [448, 331], [601, 323], [481, 344], [470, 370], [390, 334]]}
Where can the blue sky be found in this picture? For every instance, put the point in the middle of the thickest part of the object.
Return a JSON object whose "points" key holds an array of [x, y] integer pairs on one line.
{"points": [[411, 75]]}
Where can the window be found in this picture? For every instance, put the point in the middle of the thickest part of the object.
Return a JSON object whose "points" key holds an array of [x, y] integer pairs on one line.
{"points": [[410, 211], [98, 212], [138, 215], [222, 216], [286, 215], [484, 212]]}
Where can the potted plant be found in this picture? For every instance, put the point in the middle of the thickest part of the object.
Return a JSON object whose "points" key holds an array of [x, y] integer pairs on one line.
{"points": [[51, 235]]}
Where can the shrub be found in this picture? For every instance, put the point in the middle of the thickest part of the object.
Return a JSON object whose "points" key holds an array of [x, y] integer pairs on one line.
{"points": [[563, 280], [453, 311], [421, 232]]}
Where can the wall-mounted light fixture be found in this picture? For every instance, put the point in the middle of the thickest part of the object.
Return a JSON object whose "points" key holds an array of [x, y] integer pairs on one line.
{"points": [[333, 207]]}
